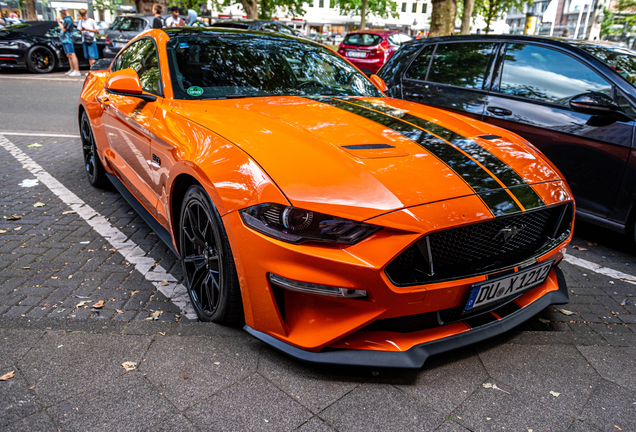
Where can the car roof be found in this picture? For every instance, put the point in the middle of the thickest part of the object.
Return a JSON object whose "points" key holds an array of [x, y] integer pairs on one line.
{"points": [[217, 31], [35, 28], [379, 32], [556, 41]]}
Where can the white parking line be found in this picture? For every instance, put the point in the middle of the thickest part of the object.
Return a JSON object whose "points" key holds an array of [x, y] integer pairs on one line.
{"points": [[38, 134], [597, 268], [148, 267]]}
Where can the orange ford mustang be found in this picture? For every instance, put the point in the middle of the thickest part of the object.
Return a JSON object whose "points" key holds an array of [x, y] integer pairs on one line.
{"points": [[340, 225]]}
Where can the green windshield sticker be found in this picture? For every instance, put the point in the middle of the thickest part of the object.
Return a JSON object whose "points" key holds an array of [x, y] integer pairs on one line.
{"points": [[195, 91]]}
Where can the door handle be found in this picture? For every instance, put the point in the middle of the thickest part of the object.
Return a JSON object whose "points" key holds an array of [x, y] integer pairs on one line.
{"points": [[499, 111]]}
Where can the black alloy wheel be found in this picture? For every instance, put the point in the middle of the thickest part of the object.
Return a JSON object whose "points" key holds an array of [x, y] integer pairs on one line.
{"points": [[40, 59], [94, 169], [206, 257]]}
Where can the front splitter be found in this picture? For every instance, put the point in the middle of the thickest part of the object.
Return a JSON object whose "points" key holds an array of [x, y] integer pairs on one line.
{"points": [[415, 357]]}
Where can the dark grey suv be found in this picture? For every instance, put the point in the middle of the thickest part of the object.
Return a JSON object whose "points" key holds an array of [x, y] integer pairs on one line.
{"points": [[575, 101]]}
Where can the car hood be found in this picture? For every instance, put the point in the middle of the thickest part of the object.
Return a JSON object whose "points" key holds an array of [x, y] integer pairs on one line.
{"points": [[362, 157]]}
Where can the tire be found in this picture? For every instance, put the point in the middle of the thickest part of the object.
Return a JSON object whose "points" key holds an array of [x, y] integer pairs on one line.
{"points": [[207, 262], [95, 171], [40, 59]]}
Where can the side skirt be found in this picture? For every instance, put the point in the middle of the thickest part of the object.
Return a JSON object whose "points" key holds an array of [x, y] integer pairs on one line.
{"points": [[163, 233]]}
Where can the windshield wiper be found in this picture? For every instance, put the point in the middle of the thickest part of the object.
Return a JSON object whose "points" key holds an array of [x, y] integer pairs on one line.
{"points": [[232, 96]]}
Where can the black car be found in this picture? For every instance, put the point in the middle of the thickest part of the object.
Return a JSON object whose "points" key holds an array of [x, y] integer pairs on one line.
{"points": [[36, 45], [258, 25], [575, 101], [126, 27]]}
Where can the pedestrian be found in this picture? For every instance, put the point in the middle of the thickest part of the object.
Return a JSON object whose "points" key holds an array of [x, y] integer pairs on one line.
{"points": [[156, 10], [174, 20], [66, 37], [192, 17], [88, 27]]}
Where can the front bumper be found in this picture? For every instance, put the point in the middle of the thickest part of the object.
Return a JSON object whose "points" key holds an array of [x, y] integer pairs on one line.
{"points": [[415, 357]]}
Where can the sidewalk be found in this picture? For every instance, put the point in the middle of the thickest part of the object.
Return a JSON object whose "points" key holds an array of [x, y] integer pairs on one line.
{"points": [[69, 375]]}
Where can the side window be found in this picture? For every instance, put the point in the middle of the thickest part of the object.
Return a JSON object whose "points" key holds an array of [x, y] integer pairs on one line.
{"points": [[419, 68], [270, 27], [395, 39], [404, 38], [461, 64], [142, 57], [547, 75]]}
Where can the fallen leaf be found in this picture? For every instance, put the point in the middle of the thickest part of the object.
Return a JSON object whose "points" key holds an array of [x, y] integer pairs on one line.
{"points": [[217, 363], [25, 166], [129, 365], [7, 376], [154, 316], [82, 303], [14, 217], [133, 293], [566, 312], [17, 229], [555, 394], [162, 333], [99, 304], [164, 282], [39, 204], [488, 418], [34, 145], [68, 212], [624, 302], [611, 282], [31, 388], [26, 268], [84, 242], [544, 321], [119, 311], [494, 387], [2, 231], [80, 297], [185, 377], [579, 248], [618, 427]]}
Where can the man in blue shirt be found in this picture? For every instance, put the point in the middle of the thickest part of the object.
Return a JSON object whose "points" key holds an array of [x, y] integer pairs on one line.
{"points": [[66, 37]]}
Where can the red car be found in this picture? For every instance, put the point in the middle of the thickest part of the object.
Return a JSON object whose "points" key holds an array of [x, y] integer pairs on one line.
{"points": [[370, 49]]}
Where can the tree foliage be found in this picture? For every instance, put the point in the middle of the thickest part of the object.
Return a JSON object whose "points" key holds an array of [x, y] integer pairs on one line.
{"points": [[382, 8], [491, 10]]}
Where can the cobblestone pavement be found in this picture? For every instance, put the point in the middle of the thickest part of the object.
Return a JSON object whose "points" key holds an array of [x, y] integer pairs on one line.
{"points": [[569, 368]]}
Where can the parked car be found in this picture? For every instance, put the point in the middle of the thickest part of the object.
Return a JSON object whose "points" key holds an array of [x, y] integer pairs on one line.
{"points": [[126, 27], [257, 25], [370, 49], [575, 101], [36, 45], [340, 225]]}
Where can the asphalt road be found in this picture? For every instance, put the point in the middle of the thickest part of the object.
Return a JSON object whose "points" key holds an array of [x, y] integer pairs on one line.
{"points": [[30, 102]]}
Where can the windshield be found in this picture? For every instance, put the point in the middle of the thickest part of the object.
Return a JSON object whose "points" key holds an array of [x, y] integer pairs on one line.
{"points": [[362, 39], [206, 67], [621, 60]]}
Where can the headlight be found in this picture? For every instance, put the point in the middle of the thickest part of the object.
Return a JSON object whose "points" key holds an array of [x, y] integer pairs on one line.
{"points": [[295, 225]]}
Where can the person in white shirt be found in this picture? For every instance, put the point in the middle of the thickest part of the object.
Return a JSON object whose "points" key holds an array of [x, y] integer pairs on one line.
{"points": [[89, 29], [174, 20]]}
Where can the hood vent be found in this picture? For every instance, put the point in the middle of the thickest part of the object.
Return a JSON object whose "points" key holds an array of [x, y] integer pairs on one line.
{"points": [[373, 151]]}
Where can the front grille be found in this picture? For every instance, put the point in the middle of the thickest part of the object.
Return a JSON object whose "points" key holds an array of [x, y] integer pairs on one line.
{"points": [[481, 248]]}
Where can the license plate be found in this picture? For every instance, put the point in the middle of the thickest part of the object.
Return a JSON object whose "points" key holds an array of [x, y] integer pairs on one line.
{"points": [[491, 291], [356, 54]]}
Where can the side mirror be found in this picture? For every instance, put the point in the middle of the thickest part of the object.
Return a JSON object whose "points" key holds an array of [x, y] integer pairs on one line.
{"points": [[598, 104], [379, 83], [125, 82]]}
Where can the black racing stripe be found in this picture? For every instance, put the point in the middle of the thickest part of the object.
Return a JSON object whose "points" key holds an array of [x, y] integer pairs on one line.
{"points": [[474, 175], [509, 177]]}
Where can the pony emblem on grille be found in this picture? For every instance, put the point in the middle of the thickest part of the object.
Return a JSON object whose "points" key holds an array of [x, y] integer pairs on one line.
{"points": [[508, 233]]}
